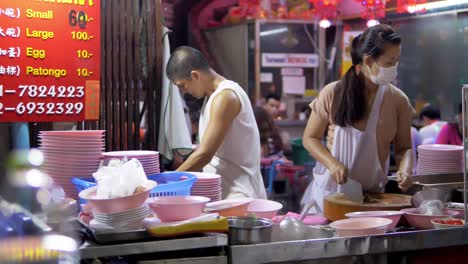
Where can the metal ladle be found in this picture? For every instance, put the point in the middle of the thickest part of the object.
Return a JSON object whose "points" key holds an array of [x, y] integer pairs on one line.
{"points": [[295, 229]]}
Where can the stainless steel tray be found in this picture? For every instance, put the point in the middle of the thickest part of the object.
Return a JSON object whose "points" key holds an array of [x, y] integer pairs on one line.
{"points": [[116, 237], [446, 182], [452, 181]]}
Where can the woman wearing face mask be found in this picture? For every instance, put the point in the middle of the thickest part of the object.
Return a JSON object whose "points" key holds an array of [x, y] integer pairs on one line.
{"points": [[364, 114]]}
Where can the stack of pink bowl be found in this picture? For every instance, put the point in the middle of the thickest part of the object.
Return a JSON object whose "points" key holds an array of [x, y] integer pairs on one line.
{"points": [[437, 159], [149, 159], [123, 213], [71, 154], [207, 185]]}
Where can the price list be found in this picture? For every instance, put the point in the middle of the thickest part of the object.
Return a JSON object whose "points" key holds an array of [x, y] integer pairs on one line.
{"points": [[49, 60]]}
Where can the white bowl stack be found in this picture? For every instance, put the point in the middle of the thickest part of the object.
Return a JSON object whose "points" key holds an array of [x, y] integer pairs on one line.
{"points": [[71, 154], [149, 159], [128, 220], [438, 159]]}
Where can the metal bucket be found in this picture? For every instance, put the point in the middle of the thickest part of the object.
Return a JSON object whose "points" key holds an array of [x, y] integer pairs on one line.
{"points": [[249, 230]]}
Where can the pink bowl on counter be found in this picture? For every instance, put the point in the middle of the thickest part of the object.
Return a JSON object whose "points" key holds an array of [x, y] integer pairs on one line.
{"points": [[116, 205], [177, 208], [262, 208], [422, 221], [362, 226], [229, 207], [457, 207], [395, 216]]}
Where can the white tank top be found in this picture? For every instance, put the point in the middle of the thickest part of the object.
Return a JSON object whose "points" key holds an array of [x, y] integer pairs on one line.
{"points": [[238, 158]]}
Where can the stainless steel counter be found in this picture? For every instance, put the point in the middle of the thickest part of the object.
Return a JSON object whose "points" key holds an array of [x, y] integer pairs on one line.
{"points": [[316, 249], [90, 250]]}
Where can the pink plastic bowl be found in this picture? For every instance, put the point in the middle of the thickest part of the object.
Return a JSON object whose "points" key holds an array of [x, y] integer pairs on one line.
{"points": [[177, 208], [116, 205], [392, 215], [264, 208], [362, 226], [421, 221], [459, 208], [229, 207]]}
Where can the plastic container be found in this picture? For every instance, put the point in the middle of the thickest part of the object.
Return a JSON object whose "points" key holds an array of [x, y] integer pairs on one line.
{"points": [[263, 208], [444, 223], [116, 205], [172, 209], [392, 215], [230, 207], [420, 221], [364, 226], [169, 184], [299, 154]]}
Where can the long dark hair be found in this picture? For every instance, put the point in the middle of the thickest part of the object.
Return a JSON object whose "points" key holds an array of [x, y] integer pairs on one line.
{"points": [[268, 130], [350, 99]]}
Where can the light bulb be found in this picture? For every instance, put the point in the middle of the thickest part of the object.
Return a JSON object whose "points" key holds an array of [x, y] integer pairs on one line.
{"points": [[324, 23], [372, 22]]}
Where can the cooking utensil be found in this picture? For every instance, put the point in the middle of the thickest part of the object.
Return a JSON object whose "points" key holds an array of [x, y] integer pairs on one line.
{"points": [[249, 230], [430, 194], [353, 190]]}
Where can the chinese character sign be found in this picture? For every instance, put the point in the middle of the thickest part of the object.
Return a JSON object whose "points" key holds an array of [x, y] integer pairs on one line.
{"points": [[49, 60]]}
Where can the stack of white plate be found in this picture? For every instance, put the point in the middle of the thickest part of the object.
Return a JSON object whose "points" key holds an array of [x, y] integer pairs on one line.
{"points": [[149, 159], [438, 159], [207, 185], [130, 219], [70, 154]]}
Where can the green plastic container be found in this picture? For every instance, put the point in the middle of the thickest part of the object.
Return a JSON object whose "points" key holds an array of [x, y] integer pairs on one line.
{"points": [[299, 154]]}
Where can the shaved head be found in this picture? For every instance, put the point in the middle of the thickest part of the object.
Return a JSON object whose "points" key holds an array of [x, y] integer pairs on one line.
{"points": [[183, 61]]}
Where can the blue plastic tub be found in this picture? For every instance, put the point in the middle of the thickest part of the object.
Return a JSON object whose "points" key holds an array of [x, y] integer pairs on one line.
{"points": [[171, 183]]}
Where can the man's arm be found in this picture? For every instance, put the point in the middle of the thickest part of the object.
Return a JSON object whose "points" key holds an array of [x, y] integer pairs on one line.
{"points": [[224, 108]]}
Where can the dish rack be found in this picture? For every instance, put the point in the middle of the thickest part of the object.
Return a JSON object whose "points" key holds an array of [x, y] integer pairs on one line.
{"points": [[169, 184]]}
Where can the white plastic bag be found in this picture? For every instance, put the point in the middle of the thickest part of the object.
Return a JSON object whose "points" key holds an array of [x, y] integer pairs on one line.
{"points": [[431, 207], [119, 179]]}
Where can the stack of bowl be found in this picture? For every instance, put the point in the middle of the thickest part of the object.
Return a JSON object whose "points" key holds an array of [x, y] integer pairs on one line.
{"points": [[123, 213]]}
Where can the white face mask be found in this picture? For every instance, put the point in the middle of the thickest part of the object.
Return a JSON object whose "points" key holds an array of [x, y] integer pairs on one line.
{"points": [[386, 75]]}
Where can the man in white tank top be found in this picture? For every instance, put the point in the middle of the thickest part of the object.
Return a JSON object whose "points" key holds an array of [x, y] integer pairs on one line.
{"points": [[229, 137]]}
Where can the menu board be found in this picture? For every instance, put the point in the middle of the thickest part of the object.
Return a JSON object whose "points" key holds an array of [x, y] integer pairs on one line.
{"points": [[49, 60]]}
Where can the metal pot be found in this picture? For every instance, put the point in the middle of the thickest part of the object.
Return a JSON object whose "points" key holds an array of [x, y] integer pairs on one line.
{"points": [[249, 230]]}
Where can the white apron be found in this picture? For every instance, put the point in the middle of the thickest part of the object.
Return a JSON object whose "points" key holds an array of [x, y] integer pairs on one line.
{"points": [[357, 151]]}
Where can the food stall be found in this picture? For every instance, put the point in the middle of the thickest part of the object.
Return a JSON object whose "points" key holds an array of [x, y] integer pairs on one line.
{"points": [[71, 223]]}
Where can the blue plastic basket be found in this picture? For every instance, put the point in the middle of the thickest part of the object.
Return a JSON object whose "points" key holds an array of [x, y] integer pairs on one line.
{"points": [[172, 183]]}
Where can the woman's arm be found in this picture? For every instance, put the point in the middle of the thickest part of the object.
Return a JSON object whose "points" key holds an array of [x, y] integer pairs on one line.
{"points": [[315, 130], [403, 145]]}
